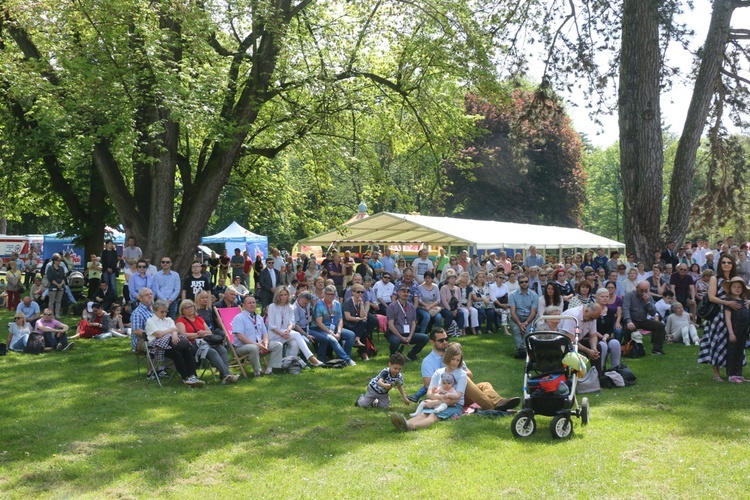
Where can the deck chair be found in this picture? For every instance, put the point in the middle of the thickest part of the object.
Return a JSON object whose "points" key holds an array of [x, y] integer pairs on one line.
{"points": [[224, 317]]}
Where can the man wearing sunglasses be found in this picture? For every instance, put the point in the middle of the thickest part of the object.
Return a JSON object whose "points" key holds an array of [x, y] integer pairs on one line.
{"points": [[139, 280], [523, 304], [167, 285], [482, 393]]}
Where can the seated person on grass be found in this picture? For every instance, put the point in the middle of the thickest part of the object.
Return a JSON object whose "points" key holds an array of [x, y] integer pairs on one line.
{"points": [[377, 395], [29, 309], [453, 360], [680, 328], [482, 393], [54, 332]]}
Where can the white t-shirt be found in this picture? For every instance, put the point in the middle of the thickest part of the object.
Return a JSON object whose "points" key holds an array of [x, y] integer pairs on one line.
{"points": [[568, 325], [421, 266]]}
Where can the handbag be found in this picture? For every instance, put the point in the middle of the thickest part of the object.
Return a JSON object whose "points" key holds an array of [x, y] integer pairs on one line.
{"points": [[707, 310], [214, 339]]}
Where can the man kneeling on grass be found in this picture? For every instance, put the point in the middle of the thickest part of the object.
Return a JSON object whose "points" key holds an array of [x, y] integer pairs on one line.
{"points": [[377, 390]]}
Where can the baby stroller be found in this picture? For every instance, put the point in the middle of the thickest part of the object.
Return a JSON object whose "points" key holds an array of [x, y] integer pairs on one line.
{"points": [[76, 284], [553, 366]]}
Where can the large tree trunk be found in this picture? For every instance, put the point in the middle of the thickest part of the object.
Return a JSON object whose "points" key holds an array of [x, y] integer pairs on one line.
{"points": [[709, 76], [641, 156]]}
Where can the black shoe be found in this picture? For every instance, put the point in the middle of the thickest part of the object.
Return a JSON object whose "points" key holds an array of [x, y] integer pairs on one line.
{"points": [[657, 352], [520, 354], [413, 398], [507, 404]]}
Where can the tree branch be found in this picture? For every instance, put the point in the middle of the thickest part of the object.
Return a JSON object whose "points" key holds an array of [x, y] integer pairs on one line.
{"points": [[735, 76]]}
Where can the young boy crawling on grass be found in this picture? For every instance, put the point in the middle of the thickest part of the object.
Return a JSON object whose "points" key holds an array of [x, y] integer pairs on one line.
{"points": [[377, 390]]}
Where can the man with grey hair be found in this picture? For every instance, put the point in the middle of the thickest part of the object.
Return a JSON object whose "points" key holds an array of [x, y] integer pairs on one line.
{"points": [[533, 259], [637, 306], [586, 315], [251, 338]]}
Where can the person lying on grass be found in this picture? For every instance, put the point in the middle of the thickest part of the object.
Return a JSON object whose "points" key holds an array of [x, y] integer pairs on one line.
{"points": [[453, 360], [377, 395]]}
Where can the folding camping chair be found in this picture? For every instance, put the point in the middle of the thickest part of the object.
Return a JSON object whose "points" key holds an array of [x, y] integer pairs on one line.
{"points": [[142, 352], [224, 317]]}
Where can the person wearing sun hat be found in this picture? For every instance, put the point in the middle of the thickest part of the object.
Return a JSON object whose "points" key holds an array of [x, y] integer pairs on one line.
{"points": [[738, 321]]}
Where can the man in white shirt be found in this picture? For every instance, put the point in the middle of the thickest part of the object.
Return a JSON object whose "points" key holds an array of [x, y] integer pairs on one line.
{"points": [[499, 297], [421, 265], [383, 292]]}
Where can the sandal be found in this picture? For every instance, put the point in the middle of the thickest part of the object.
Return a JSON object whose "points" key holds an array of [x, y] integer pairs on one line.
{"points": [[717, 378]]}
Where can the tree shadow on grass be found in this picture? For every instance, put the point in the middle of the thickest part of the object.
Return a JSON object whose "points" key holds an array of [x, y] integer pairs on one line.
{"points": [[85, 420]]}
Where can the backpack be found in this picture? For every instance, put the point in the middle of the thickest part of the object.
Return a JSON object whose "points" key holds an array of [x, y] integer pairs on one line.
{"points": [[627, 374], [634, 349], [334, 363], [292, 364], [35, 344]]}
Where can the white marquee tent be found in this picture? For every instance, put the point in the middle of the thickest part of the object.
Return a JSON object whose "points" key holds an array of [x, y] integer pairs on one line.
{"points": [[393, 228]]}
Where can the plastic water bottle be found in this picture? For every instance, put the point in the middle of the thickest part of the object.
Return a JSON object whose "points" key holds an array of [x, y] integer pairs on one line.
{"points": [[563, 389]]}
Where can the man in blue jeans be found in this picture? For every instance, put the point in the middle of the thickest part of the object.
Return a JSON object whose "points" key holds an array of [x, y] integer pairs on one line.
{"points": [[402, 322]]}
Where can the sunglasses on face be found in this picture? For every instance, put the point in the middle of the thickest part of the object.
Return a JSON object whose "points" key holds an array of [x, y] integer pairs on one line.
{"points": [[442, 340], [523, 282]]}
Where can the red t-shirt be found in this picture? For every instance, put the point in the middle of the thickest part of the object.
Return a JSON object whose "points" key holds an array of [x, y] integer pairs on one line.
{"points": [[248, 263], [197, 325]]}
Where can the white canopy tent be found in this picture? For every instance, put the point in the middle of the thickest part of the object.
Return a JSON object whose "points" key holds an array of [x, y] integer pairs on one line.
{"points": [[393, 228]]}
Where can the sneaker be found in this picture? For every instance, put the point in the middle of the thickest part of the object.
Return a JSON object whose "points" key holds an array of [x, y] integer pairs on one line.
{"points": [[59, 347], [736, 380], [151, 376], [230, 379], [375, 403], [657, 352], [356, 401], [193, 381], [507, 403], [413, 398], [399, 422], [163, 374], [351, 363], [520, 354], [69, 346]]}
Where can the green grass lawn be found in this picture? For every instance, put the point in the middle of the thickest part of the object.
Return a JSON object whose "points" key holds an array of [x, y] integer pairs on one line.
{"points": [[83, 424]]}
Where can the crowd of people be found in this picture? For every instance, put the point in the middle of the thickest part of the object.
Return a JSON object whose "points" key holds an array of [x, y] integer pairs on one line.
{"points": [[331, 309]]}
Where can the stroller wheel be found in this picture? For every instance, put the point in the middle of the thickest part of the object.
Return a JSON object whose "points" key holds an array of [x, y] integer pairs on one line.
{"points": [[561, 426], [585, 411], [523, 425]]}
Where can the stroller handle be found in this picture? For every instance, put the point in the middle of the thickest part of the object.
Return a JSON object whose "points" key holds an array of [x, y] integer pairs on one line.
{"points": [[560, 317]]}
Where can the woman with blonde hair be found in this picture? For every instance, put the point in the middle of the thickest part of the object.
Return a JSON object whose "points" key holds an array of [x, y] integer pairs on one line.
{"points": [[207, 345], [281, 326]]}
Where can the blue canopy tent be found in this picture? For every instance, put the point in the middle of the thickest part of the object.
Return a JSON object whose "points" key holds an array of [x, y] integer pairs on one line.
{"points": [[236, 236]]}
